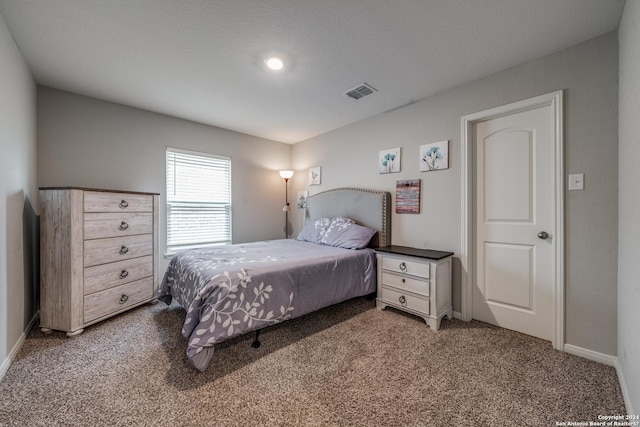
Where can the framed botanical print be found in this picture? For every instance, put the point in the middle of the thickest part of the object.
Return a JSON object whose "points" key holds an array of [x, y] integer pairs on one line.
{"points": [[434, 156]]}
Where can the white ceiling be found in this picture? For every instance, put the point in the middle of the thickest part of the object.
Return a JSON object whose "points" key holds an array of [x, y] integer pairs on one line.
{"points": [[202, 60]]}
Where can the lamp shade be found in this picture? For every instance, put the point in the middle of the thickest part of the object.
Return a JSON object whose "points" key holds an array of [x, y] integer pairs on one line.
{"points": [[286, 174]]}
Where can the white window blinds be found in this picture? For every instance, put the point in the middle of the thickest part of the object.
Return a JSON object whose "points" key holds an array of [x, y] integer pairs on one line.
{"points": [[198, 199]]}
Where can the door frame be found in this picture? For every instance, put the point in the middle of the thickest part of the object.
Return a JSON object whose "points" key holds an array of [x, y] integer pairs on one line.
{"points": [[468, 232]]}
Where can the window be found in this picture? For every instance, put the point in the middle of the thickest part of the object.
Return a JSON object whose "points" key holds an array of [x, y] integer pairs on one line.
{"points": [[198, 200]]}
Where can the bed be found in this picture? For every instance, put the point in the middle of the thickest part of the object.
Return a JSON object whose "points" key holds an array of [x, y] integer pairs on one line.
{"points": [[232, 290]]}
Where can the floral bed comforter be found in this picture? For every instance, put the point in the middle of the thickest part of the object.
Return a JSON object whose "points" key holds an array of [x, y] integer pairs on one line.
{"points": [[235, 289]]}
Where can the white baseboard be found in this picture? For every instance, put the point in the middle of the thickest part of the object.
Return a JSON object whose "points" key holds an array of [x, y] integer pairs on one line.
{"points": [[457, 315], [4, 367], [623, 388], [605, 359]]}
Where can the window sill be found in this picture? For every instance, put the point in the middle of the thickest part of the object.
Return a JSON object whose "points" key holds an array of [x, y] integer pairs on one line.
{"points": [[169, 255]]}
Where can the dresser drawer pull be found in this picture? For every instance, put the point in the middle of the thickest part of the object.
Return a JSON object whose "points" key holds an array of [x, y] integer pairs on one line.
{"points": [[402, 300], [404, 280], [123, 298], [124, 250], [403, 266], [123, 274], [123, 226], [124, 204]]}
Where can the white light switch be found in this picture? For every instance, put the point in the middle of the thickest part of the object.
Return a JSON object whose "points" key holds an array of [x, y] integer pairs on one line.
{"points": [[576, 181]]}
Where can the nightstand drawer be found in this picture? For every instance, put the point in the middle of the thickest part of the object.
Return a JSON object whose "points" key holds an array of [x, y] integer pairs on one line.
{"points": [[405, 300], [407, 283], [405, 266], [100, 225], [98, 201], [115, 299]]}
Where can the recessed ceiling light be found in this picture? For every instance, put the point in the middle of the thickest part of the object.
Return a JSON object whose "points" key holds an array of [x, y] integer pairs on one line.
{"points": [[274, 63]]}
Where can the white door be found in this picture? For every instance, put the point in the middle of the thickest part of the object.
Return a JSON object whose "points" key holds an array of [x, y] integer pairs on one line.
{"points": [[515, 211]]}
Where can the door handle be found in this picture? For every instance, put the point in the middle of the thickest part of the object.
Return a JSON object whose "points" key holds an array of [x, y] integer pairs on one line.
{"points": [[543, 235]]}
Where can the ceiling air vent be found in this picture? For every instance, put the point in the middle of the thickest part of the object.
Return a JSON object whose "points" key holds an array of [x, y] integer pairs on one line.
{"points": [[360, 91]]}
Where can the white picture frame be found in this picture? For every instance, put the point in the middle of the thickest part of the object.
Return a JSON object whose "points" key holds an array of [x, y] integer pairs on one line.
{"points": [[315, 175], [389, 161], [434, 156]]}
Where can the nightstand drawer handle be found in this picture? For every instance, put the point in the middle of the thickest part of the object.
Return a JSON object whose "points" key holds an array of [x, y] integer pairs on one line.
{"points": [[123, 226], [124, 250], [403, 266], [123, 298], [123, 204], [123, 274], [404, 280], [402, 300]]}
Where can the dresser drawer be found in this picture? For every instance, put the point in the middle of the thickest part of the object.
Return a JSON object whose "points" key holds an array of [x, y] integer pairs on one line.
{"points": [[102, 303], [406, 267], [407, 283], [405, 300], [103, 251], [107, 276], [98, 201], [100, 225]]}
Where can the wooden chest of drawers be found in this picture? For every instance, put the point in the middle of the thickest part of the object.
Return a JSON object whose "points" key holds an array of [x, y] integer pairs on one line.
{"points": [[415, 280], [98, 255]]}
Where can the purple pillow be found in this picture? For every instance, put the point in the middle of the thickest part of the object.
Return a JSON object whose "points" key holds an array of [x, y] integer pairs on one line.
{"points": [[309, 233], [348, 236], [315, 231]]}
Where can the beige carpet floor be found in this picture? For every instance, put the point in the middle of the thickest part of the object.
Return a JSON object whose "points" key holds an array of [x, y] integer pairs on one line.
{"points": [[349, 364]]}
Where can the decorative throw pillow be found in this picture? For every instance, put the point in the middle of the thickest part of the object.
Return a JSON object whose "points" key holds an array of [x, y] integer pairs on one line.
{"points": [[348, 236], [314, 231], [325, 225]]}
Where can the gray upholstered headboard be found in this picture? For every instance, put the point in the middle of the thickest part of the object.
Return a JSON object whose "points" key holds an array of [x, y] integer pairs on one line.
{"points": [[366, 207]]}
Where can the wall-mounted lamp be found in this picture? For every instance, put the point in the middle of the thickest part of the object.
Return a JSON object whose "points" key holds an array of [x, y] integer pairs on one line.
{"points": [[286, 175]]}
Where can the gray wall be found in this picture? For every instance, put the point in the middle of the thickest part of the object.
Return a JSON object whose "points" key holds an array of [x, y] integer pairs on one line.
{"points": [[588, 74], [629, 199], [91, 143], [17, 193]]}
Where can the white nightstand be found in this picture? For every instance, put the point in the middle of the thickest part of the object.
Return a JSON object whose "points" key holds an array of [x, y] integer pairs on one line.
{"points": [[417, 281]]}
